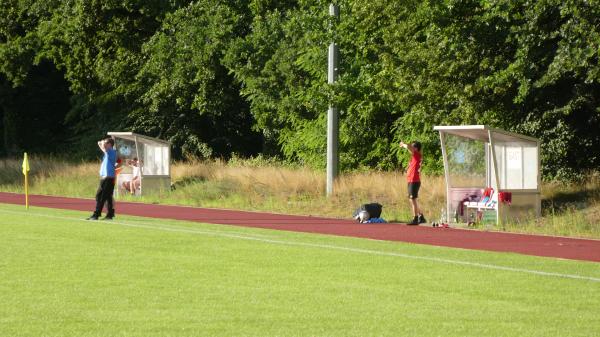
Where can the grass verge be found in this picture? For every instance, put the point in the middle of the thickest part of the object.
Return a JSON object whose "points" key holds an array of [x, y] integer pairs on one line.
{"points": [[62, 276], [259, 185]]}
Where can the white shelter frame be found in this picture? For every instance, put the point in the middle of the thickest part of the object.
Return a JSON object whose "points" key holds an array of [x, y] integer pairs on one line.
{"points": [[155, 158], [478, 157]]}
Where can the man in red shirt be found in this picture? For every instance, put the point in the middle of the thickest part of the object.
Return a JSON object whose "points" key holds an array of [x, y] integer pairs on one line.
{"points": [[414, 180]]}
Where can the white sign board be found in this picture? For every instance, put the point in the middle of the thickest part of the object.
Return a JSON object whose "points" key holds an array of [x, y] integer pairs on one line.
{"points": [[513, 158]]}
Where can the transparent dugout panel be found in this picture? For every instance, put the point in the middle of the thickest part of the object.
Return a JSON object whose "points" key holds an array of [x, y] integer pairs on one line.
{"points": [[156, 160], [517, 165], [125, 149], [466, 161]]}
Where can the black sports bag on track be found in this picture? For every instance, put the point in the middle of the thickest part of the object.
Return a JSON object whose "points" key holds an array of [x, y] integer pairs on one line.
{"points": [[373, 210]]}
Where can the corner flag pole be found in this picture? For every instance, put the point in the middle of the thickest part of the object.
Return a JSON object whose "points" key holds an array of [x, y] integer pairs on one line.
{"points": [[26, 174]]}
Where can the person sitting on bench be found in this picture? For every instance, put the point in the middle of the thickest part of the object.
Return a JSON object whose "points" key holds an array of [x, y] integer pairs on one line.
{"points": [[135, 182]]}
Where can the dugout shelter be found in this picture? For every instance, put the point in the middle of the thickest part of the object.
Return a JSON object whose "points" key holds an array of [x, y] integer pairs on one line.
{"points": [[154, 156], [492, 175]]}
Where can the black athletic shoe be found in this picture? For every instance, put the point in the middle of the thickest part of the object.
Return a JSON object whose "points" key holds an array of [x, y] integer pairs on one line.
{"points": [[415, 221], [108, 217], [93, 217], [422, 219]]}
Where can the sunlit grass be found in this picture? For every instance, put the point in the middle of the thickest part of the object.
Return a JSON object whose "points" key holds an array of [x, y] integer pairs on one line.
{"points": [[64, 276]]}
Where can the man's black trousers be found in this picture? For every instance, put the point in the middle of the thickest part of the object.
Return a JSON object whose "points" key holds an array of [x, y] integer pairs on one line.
{"points": [[105, 195]]}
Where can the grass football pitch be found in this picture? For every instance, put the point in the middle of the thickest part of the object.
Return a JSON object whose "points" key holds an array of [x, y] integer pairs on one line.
{"points": [[63, 276]]}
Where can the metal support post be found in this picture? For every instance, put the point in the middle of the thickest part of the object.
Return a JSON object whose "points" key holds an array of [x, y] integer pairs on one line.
{"points": [[332, 113]]}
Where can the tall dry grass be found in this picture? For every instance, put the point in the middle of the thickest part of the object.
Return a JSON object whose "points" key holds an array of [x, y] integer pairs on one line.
{"points": [[286, 189], [276, 179], [568, 209], [51, 176]]}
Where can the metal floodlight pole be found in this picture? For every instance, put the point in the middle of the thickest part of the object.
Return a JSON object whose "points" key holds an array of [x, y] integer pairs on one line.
{"points": [[332, 113]]}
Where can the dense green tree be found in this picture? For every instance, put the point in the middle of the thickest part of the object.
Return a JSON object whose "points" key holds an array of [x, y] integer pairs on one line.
{"points": [[282, 65], [222, 77], [33, 94], [33, 113], [188, 94], [98, 45], [525, 67], [407, 66], [281, 72]]}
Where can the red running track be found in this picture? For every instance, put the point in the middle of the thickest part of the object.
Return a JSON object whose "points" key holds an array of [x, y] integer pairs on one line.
{"points": [[560, 247]]}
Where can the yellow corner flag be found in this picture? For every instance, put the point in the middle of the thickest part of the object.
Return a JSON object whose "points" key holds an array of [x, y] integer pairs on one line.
{"points": [[26, 174]]}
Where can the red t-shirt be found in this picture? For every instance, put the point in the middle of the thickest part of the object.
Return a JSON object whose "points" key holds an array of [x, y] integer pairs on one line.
{"points": [[412, 174]]}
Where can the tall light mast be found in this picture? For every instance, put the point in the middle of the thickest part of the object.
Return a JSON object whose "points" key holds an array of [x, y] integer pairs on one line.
{"points": [[332, 114]]}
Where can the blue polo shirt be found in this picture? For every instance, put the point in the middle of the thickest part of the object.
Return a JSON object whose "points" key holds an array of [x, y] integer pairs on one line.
{"points": [[107, 168]]}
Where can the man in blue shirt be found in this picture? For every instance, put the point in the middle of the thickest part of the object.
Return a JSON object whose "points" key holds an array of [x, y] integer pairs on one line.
{"points": [[107, 180]]}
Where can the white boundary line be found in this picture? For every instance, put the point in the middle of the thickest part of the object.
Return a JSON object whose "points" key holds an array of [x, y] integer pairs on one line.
{"points": [[107, 222], [321, 246]]}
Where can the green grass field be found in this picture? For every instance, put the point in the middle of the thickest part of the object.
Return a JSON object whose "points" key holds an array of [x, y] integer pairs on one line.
{"points": [[64, 276]]}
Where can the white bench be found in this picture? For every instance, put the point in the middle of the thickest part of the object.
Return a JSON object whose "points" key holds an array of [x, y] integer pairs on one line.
{"points": [[489, 201]]}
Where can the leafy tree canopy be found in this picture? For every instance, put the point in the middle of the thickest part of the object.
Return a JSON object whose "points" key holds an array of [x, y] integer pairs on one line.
{"points": [[250, 76]]}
